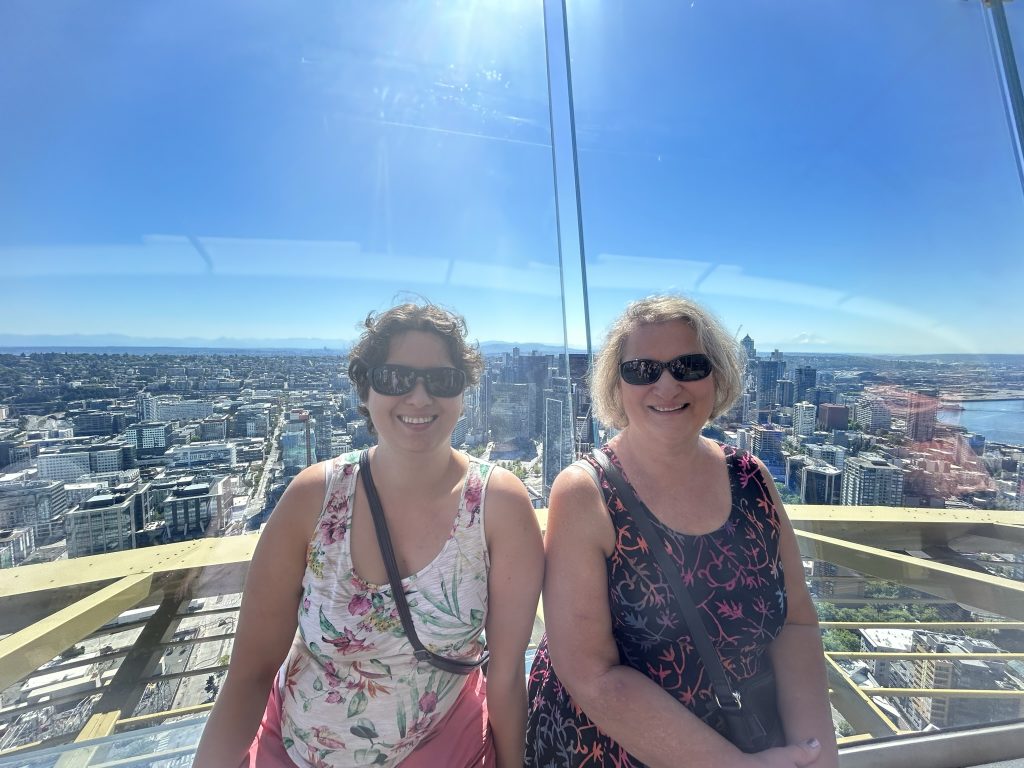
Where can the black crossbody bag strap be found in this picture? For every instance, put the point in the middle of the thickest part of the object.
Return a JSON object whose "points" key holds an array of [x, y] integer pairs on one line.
{"points": [[726, 698], [387, 553]]}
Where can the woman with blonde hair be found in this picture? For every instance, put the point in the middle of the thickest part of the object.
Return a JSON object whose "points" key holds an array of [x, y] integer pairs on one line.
{"points": [[618, 680]]}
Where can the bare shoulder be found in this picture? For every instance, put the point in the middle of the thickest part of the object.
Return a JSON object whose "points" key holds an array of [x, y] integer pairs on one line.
{"points": [[576, 510], [296, 513], [508, 503]]}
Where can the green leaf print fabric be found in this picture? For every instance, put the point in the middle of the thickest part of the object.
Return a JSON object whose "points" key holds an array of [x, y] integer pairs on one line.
{"points": [[352, 692]]}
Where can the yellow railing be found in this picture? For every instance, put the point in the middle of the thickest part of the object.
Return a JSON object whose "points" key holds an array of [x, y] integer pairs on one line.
{"points": [[45, 610]]}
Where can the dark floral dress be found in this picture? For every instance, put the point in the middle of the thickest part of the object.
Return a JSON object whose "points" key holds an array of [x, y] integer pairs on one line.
{"points": [[735, 578]]}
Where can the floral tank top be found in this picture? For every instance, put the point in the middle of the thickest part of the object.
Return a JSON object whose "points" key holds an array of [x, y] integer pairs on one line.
{"points": [[352, 693]]}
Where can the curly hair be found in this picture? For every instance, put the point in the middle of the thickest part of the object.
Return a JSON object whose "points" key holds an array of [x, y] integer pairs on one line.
{"points": [[715, 342], [371, 349]]}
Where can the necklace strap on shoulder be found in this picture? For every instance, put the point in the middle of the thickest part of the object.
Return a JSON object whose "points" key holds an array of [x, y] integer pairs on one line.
{"points": [[387, 553], [725, 696]]}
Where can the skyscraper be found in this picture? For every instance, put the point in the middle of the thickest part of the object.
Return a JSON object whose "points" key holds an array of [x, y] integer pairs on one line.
{"points": [[768, 374], [298, 441], [805, 417], [820, 483], [558, 433], [748, 348], [804, 378], [767, 446], [922, 408], [868, 479]]}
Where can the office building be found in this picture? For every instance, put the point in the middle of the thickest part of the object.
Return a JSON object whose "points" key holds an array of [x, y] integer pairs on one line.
{"points": [[150, 438], [805, 419], [36, 504], [145, 407], [173, 408], [558, 433], [768, 374], [805, 378], [869, 480], [197, 509], [831, 416], [767, 446], [749, 350], [871, 413], [820, 483], [922, 409], [785, 391], [197, 454], [103, 523], [214, 428], [510, 411], [298, 441], [16, 546]]}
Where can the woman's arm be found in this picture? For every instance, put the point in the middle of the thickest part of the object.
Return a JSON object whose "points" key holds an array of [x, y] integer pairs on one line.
{"points": [[627, 705], [797, 654], [517, 569], [266, 622]]}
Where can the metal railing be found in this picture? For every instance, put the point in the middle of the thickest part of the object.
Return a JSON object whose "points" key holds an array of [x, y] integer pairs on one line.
{"points": [[62, 607]]}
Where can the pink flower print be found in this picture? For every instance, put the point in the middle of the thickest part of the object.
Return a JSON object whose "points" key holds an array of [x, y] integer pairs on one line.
{"points": [[428, 702], [333, 679], [359, 605], [333, 528], [346, 642], [327, 738], [474, 492], [334, 697]]}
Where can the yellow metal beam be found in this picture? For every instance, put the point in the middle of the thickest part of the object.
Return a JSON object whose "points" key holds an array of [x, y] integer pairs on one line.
{"points": [[22, 653], [952, 693], [861, 712], [99, 726], [1001, 596], [885, 655], [32, 592], [922, 624], [159, 717], [975, 530]]}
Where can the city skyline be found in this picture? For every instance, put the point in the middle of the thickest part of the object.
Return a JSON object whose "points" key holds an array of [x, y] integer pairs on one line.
{"points": [[842, 181]]}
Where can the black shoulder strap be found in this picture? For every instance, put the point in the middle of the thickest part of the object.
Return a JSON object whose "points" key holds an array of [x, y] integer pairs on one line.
{"points": [[387, 553], [726, 697]]}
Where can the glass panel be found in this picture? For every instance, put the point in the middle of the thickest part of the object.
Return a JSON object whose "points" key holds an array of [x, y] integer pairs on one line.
{"points": [[200, 205], [837, 184]]}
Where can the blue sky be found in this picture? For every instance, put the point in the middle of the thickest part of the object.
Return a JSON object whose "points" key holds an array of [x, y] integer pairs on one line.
{"points": [[835, 176]]}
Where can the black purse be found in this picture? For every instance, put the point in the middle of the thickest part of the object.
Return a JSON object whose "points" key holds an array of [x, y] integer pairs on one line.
{"points": [[750, 707], [387, 552]]}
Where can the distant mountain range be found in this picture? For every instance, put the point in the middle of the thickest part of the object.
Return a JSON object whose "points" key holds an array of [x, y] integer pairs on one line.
{"points": [[116, 342], [76, 341]]}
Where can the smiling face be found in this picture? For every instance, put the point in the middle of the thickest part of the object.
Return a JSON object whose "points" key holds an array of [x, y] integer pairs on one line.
{"points": [[415, 420], [668, 408]]}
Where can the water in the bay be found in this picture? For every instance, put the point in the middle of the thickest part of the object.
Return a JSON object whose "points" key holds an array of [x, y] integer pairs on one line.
{"points": [[1000, 421]]}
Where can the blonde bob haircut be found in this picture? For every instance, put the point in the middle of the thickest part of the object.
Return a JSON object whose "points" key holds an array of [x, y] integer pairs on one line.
{"points": [[725, 354]]}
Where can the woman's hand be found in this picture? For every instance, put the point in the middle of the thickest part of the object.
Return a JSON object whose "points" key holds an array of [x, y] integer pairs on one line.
{"points": [[793, 756]]}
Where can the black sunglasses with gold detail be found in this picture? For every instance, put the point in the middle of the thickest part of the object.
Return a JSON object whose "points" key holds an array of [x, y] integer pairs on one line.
{"points": [[683, 368]]}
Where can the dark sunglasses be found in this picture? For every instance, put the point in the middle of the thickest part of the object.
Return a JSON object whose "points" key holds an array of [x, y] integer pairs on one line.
{"points": [[683, 368], [393, 380]]}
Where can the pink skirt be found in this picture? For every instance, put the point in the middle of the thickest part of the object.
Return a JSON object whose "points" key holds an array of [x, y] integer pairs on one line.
{"points": [[461, 738]]}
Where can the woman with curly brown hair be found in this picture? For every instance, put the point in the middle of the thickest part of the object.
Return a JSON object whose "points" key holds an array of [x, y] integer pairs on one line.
{"points": [[320, 627]]}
